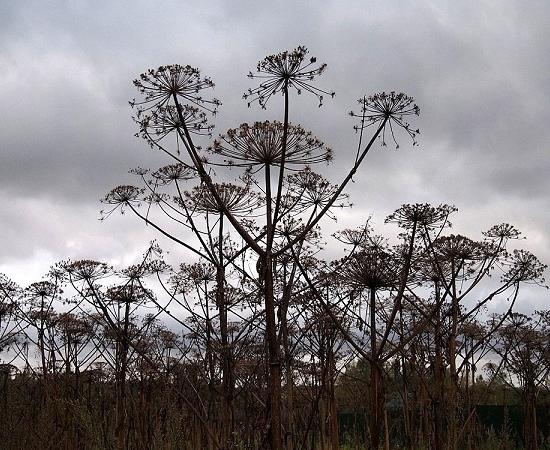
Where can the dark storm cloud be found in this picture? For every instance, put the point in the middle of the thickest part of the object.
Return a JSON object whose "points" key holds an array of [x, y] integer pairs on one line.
{"points": [[478, 70]]}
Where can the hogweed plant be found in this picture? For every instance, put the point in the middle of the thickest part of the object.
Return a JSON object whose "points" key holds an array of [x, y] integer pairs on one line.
{"points": [[254, 340], [91, 346], [288, 70], [174, 103], [261, 312]]}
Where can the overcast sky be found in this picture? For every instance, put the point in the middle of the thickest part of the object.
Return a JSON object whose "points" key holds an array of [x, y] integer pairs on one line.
{"points": [[480, 72]]}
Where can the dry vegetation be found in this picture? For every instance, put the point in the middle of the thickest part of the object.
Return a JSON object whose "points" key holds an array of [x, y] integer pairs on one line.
{"points": [[256, 341]]}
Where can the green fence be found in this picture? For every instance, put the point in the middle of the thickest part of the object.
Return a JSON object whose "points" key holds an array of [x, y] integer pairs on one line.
{"points": [[499, 418]]}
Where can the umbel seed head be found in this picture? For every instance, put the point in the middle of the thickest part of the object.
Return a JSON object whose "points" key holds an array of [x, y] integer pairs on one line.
{"points": [[284, 71]]}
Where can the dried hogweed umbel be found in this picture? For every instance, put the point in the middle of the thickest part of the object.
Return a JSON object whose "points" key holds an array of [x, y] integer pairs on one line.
{"points": [[262, 144], [388, 110], [284, 71], [160, 86]]}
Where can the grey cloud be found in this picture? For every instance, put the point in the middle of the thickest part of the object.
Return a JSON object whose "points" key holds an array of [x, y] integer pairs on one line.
{"points": [[478, 71]]}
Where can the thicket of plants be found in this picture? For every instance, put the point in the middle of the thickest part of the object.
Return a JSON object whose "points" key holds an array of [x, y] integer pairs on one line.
{"points": [[257, 340]]}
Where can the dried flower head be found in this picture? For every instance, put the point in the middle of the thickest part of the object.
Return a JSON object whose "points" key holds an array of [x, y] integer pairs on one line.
{"points": [[8, 289], [128, 294], [42, 313], [42, 289], [163, 121], [86, 270], [458, 247], [422, 215], [139, 171], [503, 231], [239, 200], [41, 294], [192, 275], [120, 197], [136, 272], [262, 144], [284, 71], [291, 227], [370, 268], [159, 86], [311, 190], [168, 338], [359, 237], [174, 173], [390, 110], [428, 269], [123, 195], [524, 267], [74, 326], [461, 254], [473, 330]]}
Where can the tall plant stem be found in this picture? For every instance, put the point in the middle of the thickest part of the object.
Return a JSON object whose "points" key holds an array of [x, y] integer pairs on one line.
{"points": [[283, 160], [274, 369]]}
